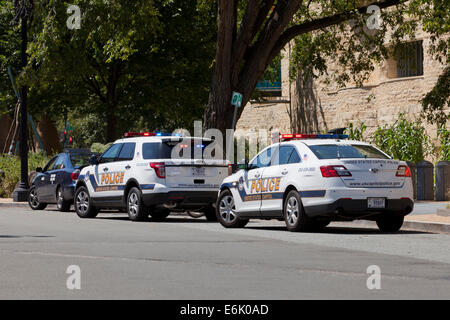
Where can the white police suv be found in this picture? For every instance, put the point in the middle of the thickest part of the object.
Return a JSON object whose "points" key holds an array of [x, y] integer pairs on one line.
{"points": [[311, 180], [150, 174]]}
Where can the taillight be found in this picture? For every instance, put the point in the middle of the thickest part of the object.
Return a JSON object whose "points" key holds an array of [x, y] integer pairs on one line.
{"points": [[230, 169], [74, 175], [403, 171], [334, 171], [160, 169]]}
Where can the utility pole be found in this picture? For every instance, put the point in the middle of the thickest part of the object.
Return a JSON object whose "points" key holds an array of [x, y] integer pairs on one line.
{"points": [[23, 9]]}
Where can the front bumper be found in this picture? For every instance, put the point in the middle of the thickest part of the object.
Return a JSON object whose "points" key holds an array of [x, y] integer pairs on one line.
{"points": [[182, 199], [357, 208]]}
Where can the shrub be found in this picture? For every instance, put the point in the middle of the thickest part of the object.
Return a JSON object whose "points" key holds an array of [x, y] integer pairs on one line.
{"points": [[404, 140], [99, 147], [356, 133], [444, 138], [10, 165]]}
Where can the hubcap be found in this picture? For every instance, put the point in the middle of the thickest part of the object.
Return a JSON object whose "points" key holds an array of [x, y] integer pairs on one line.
{"points": [[82, 202], [133, 207], [292, 211], [227, 209], [33, 198]]}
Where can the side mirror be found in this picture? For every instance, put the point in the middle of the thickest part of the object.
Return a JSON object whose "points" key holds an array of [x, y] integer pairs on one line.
{"points": [[38, 169], [243, 165], [93, 159]]}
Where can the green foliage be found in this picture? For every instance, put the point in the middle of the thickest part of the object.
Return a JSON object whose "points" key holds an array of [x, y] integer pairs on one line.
{"points": [[10, 165], [404, 140], [444, 138], [356, 133], [437, 100], [99, 148]]}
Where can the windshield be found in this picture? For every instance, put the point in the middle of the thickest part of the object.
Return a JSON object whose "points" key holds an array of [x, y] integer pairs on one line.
{"points": [[79, 159], [158, 150], [334, 151]]}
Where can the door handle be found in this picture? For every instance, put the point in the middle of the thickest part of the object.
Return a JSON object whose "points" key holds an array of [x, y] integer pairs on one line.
{"points": [[127, 167], [105, 169], [284, 172]]}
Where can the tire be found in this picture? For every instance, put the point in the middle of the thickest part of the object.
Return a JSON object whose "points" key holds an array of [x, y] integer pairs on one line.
{"points": [[159, 214], [61, 204], [210, 213], [390, 223], [225, 211], [294, 214], [83, 204], [136, 209], [33, 200]]}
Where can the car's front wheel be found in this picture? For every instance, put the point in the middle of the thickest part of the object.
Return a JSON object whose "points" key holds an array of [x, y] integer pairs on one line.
{"points": [[33, 200], [61, 204], [137, 210], [83, 204], [210, 213], [390, 223], [226, 211], [294, 214]]}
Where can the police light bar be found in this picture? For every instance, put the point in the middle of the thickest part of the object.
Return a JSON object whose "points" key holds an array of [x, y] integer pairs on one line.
{"points": [[290, 136], [139, 134]]}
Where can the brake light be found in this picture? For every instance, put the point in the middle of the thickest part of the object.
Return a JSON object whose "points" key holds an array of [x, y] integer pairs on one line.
{"points": [[403, 171], [160, 169], [334, 171], [74, 175]]}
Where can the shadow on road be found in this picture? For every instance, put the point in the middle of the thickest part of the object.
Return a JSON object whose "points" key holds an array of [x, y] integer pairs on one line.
{"points": [[341, 230], [6, 236]]}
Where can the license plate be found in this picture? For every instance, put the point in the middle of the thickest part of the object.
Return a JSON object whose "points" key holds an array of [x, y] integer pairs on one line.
{"points": [[376, 202], [198, 172]]}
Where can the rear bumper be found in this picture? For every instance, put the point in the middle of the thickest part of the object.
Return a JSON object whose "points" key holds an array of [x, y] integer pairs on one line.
{"points": [[183, 199], [357, 208]]}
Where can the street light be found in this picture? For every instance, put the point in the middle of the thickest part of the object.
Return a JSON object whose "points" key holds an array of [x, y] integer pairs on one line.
{"points": [[23, 9]]}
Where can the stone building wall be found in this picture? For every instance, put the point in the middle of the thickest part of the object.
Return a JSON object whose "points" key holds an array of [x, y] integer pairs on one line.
{"points": [[318, 107]]}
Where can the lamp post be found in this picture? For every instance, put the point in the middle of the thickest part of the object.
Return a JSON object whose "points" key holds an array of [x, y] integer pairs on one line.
{"points": [[23, 10]]}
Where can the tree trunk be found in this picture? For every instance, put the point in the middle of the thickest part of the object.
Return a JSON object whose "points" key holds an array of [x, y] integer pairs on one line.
{"points": [[111, 125]]}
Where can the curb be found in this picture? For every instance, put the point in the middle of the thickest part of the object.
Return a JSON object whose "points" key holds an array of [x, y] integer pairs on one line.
{"points": [[433, 227], [14, 205]]}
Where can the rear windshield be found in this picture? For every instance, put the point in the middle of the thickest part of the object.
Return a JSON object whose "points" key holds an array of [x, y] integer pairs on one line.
{"points": [[157, 150], [333, 151], [79, 159]]}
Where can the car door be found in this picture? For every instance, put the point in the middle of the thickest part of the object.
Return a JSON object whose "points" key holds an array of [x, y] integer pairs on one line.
{"points": [[249, 201], [276, 179], [104, 183], [43, 180], [54, 175], [122, 169]]}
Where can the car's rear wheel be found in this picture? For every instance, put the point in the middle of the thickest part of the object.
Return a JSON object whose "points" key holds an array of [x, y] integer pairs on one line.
{"points": [[137, 210], [390, 223], [294, 214], [33, 200], [159, 214], [61, 204], [226, 211], [83, 204]]}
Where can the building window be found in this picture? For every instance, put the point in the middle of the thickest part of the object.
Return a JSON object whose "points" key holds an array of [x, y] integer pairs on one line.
{"points": [[409, 58], [271, 88]]}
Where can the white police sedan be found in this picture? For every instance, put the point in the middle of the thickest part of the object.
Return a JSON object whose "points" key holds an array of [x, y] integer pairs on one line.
{"points": [[311, 180]]}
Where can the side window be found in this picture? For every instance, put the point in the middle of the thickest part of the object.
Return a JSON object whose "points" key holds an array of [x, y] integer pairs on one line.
{"points": [[285, 153], [111, 154], [127, 152], [294, 158], [262, 160], [58, 164], [50, 164]]}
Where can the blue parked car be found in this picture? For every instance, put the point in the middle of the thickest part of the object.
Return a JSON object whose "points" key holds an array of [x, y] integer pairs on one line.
{"points": [[55, 183]]}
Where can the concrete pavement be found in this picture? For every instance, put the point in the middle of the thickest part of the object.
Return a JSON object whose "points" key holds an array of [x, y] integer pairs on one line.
{"points": [[185, 258]]}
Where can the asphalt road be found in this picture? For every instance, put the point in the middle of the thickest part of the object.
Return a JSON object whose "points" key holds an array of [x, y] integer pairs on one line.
{"points": [[185, 258]]}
